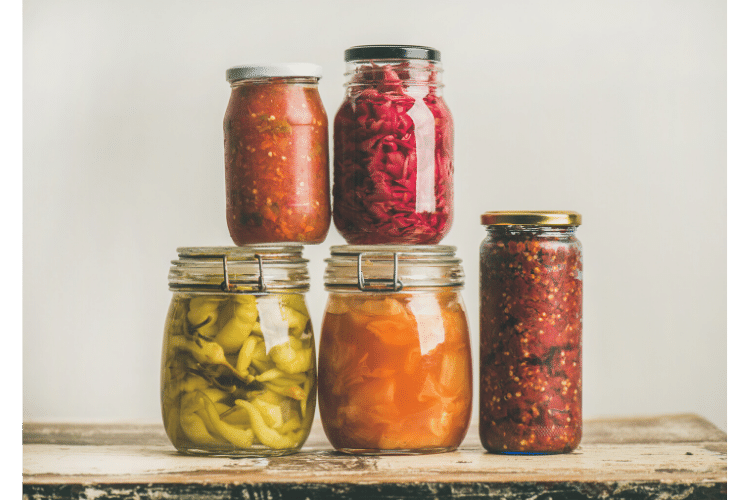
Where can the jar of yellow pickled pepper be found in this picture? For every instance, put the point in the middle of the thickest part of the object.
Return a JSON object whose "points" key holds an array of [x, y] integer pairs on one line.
{"points": [[238, 362]]}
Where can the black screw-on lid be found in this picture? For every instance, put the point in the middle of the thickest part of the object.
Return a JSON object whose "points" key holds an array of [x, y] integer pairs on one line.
{"points": [[364, 52]]}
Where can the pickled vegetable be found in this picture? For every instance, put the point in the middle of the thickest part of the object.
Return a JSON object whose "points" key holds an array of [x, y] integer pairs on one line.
{"points": [[530, 340], [276, 163], [238, 374], [393, 157], [395, 372]]}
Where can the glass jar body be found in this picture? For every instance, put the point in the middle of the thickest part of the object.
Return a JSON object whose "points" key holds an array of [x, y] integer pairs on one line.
{"points": [[393, 154], [276, 162], [530, 339], [238, 373], [395, 371]]}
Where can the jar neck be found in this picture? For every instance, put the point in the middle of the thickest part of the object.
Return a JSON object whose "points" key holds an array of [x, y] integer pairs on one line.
{"points": [[392, 268], [250, 269], [394, 75], [280, 80], [499, 231]]}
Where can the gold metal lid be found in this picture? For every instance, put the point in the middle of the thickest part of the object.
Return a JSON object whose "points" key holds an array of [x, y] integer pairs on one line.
{"points": [[531, 218]]}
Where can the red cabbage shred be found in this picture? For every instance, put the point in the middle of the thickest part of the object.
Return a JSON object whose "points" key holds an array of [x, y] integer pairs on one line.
{"points": [[375, 161]]}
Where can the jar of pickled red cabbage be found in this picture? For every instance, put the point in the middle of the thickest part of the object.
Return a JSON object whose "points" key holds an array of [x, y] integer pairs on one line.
{"points": [[530, 333], [393, 148], [238, 360], [395, 361], [276, 155]]}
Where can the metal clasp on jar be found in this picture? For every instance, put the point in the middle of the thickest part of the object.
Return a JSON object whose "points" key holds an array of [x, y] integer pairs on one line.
{"points": [[229, 287], [366, 284]]}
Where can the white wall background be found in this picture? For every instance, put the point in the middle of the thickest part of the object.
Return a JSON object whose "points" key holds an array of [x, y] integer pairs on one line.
{"points": [[614, 109]]}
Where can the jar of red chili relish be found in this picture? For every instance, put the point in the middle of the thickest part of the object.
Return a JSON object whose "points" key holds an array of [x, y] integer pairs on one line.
{"points": [[393, 148], [530, 333], [276, 155], [395, 361]]}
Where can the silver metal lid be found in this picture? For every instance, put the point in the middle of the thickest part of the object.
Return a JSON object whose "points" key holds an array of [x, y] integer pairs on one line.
{"points": [[278, 70]]}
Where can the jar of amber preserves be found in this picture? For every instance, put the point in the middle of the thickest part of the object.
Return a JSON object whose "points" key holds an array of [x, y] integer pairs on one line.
{"points": [[530, 333], [395, 360], [393, 148], [238, 362], [276, 155]]}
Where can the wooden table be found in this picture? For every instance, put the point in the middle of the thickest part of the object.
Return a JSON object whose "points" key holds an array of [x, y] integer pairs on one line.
{"points": [[669, 457]]}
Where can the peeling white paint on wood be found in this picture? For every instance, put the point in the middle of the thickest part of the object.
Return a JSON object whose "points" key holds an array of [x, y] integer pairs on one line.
{"points": [[621, 451]]}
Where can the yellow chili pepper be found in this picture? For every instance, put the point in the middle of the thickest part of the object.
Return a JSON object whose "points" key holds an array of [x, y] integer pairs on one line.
{"points": [[237, 416], [291, 425], [241, 438], [280, 377], [303, 402], [205, 353], [271, 413], [193, 425], [268, 436], [295, 301], [204, 311], [193, 383], [245, 356], [292, 391], [173, 424], [233, 334], [296, 321], [290, 359]]}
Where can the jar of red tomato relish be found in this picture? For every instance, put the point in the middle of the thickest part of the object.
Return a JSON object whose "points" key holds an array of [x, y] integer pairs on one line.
{"points": [[393, 148], [276, 155], [530, 333], [395, 361]]}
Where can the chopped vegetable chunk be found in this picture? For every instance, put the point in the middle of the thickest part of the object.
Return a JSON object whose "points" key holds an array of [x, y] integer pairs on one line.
{"points": [[276, 163], [378, 392]]}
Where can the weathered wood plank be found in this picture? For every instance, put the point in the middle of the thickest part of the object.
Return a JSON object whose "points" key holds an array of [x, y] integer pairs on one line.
{"points": [[360, 491], [658, 429], [681, 457]]}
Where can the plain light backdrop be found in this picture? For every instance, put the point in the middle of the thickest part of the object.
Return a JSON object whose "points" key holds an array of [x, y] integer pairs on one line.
{"points": [[615, 109]]}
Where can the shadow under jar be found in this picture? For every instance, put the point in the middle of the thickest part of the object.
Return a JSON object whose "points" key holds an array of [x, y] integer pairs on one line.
{"points": [[276, 155], [395, 360], [530, 333], [393, 148], [238, 360]]}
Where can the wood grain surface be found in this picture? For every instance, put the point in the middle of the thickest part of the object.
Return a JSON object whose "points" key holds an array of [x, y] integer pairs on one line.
{"points": [[667, 457]]}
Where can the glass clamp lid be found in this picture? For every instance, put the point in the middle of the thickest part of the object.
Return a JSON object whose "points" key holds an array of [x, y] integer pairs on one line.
{"points": [[392, 268], [251, 269]]}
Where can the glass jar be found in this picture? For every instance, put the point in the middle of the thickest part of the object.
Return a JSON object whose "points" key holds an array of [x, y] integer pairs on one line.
{"points": [[393, 148], [238, 361], [276, 155], [395, 361], [530, 333]]}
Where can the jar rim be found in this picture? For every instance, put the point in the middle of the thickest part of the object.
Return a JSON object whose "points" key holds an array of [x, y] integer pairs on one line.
{"points": [[391, 268], [247, 269], [531, 218], [275, 250], [274, 70], [412, 250]]}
